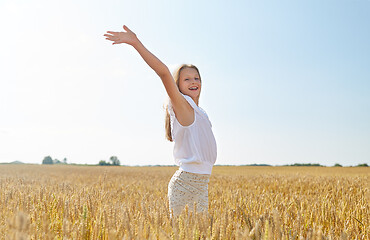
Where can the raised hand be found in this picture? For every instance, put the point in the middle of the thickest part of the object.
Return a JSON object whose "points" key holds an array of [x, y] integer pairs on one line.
{"points": [[128, 37]]}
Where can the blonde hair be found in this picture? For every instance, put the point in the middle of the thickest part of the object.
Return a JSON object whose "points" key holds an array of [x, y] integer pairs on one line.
{"points": [[176, 77]]}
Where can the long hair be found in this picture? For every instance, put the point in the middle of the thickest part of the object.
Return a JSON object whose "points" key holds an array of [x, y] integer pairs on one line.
{"points": [[176, 77]]}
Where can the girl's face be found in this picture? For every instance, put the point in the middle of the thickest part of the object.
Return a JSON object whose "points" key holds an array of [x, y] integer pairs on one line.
{"points": [[190, 84]]}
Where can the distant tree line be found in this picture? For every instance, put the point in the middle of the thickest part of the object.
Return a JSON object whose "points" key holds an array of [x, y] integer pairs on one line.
{"points": [[362, 165], [319, 165], [302, 165], [114, 161], [306, 165], [49, 160]]}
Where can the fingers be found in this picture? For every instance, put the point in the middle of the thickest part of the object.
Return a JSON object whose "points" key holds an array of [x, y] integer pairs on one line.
{"points": [[110, 33], [111, 37], [116, 36], [126, 28]]}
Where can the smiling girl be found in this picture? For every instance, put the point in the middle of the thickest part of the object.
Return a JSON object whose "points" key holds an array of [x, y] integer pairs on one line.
{"points": [[187, 125]]}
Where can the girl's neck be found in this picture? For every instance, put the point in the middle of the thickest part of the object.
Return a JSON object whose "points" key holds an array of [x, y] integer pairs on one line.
{"points": [[196, 101]]}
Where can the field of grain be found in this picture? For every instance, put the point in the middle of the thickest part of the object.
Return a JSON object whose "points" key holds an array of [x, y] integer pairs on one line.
{"points": [[90, 202]]}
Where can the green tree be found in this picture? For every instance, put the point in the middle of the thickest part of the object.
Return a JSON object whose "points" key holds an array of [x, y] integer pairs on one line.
{"points": [[115, 161], [103, 163], [362, 165], [56, 161], [47, 160]]}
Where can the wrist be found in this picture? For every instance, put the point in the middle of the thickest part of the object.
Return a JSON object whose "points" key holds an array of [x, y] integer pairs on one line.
{"points": [[136, 43]]}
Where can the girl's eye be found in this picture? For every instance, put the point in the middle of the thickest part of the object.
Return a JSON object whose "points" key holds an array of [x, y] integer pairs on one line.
{"points": [[186, 79], [196, 78]]}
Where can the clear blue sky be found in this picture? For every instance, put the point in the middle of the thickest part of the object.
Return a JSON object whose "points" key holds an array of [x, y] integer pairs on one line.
{"points": [[283, 81]]}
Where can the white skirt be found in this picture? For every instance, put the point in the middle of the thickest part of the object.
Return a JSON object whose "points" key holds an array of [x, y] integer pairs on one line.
{"points": [[187, 188]]}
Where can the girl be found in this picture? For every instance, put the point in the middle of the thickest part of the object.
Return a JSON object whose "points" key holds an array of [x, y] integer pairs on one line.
{"points": [[186, 124]]}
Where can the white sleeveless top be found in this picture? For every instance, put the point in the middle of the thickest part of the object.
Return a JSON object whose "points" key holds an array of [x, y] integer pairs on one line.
{"points": [[195, 147]]}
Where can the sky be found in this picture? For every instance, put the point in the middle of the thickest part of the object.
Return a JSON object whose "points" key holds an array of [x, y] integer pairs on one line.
{"points": [[283, 81]]}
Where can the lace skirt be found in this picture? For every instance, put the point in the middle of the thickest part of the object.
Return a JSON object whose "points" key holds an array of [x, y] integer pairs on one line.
{"points": [[187, 188]]}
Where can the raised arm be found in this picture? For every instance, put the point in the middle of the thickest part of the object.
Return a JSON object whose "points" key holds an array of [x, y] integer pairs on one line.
{"points": [[129, 37], [184, 112]]}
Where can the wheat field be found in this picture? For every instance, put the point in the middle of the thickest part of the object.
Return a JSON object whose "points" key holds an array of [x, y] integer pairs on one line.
{"points": [[91, 202]]}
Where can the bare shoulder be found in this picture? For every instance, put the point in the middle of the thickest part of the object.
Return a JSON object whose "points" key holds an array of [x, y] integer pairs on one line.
{"points": [[183, 110]]}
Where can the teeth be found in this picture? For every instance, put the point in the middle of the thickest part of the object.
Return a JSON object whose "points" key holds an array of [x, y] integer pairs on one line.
{"points": [[193, 88]]}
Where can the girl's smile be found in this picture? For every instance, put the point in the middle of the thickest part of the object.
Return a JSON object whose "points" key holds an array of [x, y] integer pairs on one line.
{"points": [[190, 83]]}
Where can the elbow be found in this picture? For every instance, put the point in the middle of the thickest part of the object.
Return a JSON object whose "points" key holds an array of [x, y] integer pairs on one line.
{"points": [[164, 73]]}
